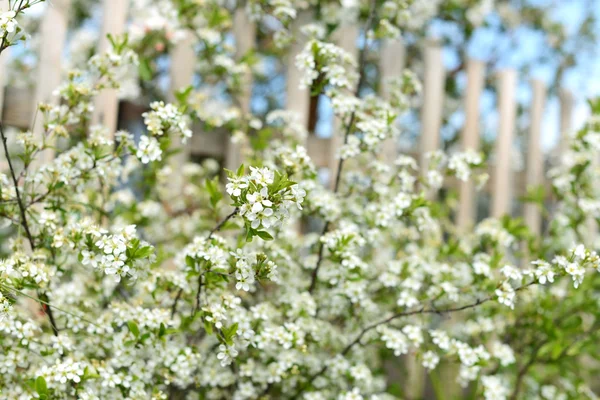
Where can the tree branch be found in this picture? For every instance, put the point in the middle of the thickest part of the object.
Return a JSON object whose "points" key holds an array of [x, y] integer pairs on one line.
{"points": [[198, 291], [374, 325], [43, 296], [361, 69]]}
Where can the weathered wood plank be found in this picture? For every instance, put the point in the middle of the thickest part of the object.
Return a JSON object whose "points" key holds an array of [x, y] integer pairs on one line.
{"points": [[53, 34], [391, 64], [535, 161], [566, 102], [183, 61], [502, 188], [297, 99], [17, 110], [345, 37], [3, 60], [208, 143], [467, 206], [106, 104], [433, 99], [244, 31]]}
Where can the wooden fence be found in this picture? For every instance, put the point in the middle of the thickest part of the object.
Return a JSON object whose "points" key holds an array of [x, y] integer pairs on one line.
{"points": [[18, 106]]}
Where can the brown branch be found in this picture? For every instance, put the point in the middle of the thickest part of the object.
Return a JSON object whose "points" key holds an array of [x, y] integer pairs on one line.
{"points": [[42, 295], [523, 370], [222, 223], [361, 69], [198, 291], [374, 325]]}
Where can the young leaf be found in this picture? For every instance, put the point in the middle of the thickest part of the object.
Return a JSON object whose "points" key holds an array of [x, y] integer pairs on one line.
{"points": [[40, 386], [133, 328], [264, 235]]}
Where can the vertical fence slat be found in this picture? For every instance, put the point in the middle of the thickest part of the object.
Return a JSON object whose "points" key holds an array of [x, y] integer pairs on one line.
{"points": [[3, 60], [391, 65], [106, 105], [501, 190], [535, 162], [244, 31], [345, 37], [3, 70], [433, 99], [183, 61], [467, 206], [297, 99], [566, 102], [53, 33]]}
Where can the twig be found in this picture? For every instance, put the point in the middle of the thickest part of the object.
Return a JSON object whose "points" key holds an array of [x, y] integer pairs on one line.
{"points": [[47, 304], [374, 325], [199, 290], [220, 224], [361, 68], [174, 306], [24, 223], [523, 370]]}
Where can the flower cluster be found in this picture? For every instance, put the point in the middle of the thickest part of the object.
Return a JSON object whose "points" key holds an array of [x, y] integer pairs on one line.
{"points": [[121, 254], [167, 119], [126, 275], [326, 59], [8, 23], [264, 198]]}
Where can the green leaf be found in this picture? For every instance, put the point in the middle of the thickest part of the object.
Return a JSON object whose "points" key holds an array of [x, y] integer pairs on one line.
{"points": [[250, 233], [264, 235], [144, 252], [162, 330], [133, 328], [229, 333], [208, 327], [183, 94], [212, 186], [240, 170], [145, 69], [40, 386], [190, 261]]}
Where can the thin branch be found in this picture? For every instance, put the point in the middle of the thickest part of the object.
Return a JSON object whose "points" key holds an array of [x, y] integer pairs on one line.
{"points": [[24, 223], [523, 370], [198, 294], [222, 223], [338, 175], [374, 325], [48, 305], [199, 290], [174, 306]]}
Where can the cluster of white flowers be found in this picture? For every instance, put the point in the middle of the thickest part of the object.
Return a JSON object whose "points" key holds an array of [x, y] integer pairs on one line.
{"points": [[63, 372], [148, 150], [8, 23], [463, 162], [120, 254], [167, 119], [328, 59], [264, 197], [5, 307], [116, 282], [494, 388], [208, 254]]}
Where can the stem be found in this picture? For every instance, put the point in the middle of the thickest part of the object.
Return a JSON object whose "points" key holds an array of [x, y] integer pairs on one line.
{"points": [[374, 325], [25, 225], [338, 175], [47, 304], [436, 382], [523, 371], [223, 221], [199, 290]]}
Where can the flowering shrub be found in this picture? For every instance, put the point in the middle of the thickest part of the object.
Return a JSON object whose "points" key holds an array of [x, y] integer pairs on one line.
{"points": [[116, 283]]}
